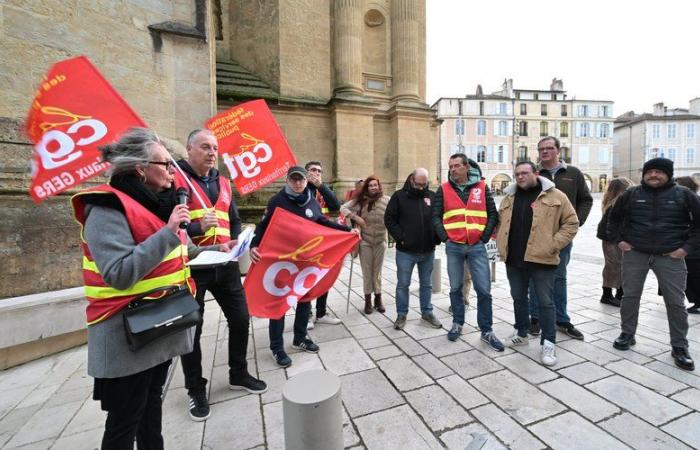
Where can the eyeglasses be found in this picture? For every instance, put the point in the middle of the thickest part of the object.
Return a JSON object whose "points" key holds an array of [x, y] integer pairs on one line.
{"points": [[168, 164]]}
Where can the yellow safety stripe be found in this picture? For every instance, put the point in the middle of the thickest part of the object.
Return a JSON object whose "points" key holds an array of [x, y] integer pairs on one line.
{"points": [[474, 213], [140, 287], [199, 213], [324, 210], [462, 211], [178, 252], [468, 226], [218, 231]]}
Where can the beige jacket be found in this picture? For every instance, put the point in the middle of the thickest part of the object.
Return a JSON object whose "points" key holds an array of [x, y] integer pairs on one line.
{"points": [[374, 232], [554, 224]]}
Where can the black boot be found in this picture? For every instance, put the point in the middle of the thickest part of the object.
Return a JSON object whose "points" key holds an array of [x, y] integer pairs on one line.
{"points": [[368, 303], [608, 298], [378, 303], [624, 341], [619, 293], [682, 358]]}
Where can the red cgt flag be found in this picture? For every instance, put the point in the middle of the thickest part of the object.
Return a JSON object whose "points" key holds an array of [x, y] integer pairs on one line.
{"points": [[75, 110], [300, 260], [252, 145]]}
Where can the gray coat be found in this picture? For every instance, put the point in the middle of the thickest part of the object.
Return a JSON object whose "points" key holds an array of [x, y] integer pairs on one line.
{"points": [[122, 263]]}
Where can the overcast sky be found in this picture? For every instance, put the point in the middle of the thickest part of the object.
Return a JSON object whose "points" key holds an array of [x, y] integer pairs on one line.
{"points": [[635, 53]]}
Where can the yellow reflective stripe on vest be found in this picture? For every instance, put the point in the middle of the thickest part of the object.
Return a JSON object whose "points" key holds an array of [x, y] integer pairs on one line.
{"points": [[475, 213], [218, 231], [140, 287], [468, 226], [453, 212], [199, 213], [178, 252], [324, 210]]}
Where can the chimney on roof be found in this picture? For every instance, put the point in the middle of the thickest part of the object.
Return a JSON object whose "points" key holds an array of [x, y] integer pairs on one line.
{"points": [[479, 91], [659, 109], [557, 85], [508, 87], [695, 106]]}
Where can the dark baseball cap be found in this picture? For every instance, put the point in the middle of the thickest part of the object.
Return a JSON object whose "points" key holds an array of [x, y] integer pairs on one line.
{"points": [[296, 170]]}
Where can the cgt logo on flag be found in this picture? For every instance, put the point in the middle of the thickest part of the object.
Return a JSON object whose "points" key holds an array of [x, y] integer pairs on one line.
{"points": [[252, 145], [300, 260], [74, 111]]}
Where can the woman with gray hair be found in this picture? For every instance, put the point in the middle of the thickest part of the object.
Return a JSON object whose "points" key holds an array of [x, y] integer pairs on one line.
{"points": [[132, 245]]}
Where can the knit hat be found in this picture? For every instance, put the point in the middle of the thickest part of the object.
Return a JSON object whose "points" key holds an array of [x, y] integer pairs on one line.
{"points": [[663, 164]]}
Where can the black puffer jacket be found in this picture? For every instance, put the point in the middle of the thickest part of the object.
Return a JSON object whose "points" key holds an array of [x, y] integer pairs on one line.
{"points": [[408, 219], [657, 221]]}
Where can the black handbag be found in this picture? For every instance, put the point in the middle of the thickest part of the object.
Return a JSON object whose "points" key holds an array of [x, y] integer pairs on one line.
{"points": [[146, 320]]}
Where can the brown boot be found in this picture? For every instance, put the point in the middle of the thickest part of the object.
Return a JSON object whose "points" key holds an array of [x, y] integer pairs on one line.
{"points": [[378, 303], [368, 303]]}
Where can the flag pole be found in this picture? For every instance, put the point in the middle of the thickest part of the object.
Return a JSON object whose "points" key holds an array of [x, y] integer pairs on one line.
{"points": [[347, 303], [189, 183]]}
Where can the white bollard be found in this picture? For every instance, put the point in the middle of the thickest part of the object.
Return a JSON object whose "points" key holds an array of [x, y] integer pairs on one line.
{"points": [[313, 414], [436, 276]]}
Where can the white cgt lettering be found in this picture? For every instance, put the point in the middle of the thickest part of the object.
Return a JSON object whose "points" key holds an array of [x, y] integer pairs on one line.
{"points": [[65, 153], [248, 162], [272, 272]]}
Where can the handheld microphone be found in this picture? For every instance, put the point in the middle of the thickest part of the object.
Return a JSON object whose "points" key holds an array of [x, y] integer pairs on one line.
{"points": [[182, 197]]}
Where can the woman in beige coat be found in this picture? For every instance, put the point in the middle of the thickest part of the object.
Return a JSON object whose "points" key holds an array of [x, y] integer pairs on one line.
{"points": [[366, 210]]}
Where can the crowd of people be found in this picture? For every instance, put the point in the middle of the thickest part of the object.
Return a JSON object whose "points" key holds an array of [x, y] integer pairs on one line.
{"points": [[137, 237]]}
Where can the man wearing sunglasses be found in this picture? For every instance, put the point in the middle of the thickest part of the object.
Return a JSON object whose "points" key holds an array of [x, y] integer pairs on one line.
{"points": [[218, 223]]}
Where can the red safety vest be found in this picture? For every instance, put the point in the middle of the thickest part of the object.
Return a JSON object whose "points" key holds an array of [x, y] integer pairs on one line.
{"points": [[322, 204], [464, 223], [221, 233], [103, 300]]}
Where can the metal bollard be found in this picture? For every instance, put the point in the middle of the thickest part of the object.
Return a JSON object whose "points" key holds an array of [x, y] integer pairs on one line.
{"points": [[313, 414], [436, 276]]}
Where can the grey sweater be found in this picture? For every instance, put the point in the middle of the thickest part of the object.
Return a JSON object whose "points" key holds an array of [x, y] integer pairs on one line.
{"points": [[122, 263]]}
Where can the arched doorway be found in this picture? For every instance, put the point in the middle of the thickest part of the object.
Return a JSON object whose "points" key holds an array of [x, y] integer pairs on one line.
{"points": [[499, 183]]}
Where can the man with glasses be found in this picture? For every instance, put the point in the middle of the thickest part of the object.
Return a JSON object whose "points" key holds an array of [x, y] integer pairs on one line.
{"points": [[218, 223], [408, 220], [531, 253], [328, 203], [571, 182], [465, 217]]}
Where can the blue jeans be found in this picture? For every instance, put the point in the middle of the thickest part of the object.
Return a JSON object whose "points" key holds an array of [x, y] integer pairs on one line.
{"points": [[404, 268], [276, 328], [559, 295], [478, 260], [543, 281]]}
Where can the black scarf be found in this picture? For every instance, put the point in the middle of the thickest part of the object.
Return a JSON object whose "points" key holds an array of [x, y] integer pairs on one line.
{"points": [[161, 204], [300, 199]]}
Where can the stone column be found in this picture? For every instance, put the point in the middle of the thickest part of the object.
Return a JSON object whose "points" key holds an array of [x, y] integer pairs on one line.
{"points": [[405, 48], [348, 46]]}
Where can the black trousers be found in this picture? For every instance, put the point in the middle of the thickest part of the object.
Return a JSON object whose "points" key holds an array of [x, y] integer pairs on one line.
{"points": [[321, 303], [133, 405], [224, 283], [692, 288]]}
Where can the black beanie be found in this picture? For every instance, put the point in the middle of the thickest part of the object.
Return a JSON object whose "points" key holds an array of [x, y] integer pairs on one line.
{"points": [[663, 164]]}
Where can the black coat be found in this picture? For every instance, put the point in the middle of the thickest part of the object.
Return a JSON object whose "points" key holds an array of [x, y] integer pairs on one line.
{"points": [[408, 219]]}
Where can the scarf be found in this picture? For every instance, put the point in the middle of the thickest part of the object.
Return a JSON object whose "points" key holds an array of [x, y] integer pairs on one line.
{"points": [[299, 199], [159, 203]]}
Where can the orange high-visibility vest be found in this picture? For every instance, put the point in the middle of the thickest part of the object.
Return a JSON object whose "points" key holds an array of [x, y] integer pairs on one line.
{"points": [[464, 223], [104, 300], [322, 203], [221, 233]]}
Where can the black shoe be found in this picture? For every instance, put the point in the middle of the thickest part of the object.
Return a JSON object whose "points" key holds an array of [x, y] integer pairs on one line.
{"points": [[282, 359], [682, 358], [534, 327], [570, 330], [624, 341], [199, 407], [695, 309], [306, 345], [249, 383], [612, 301]]}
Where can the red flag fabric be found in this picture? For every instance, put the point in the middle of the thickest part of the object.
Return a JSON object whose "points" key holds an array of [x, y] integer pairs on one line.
{"points": [[252, 145], [74, 111], [300, 260]]}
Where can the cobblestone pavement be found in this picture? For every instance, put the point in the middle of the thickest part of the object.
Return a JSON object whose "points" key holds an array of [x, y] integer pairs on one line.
{"points": [[411, 388]]}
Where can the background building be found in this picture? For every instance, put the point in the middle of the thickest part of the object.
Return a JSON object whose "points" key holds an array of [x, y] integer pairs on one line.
{"points": [[501, 128], [669, 133]]}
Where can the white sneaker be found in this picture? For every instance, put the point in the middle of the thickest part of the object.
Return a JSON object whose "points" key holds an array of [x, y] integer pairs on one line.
{"points": [[310, 324], [327, 319], [516, 340], [549, 356]]}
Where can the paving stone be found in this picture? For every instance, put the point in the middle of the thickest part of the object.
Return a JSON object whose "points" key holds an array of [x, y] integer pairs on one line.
{"points": [[527, 368], [433, 366], [534, 351], [522, 401], [585, 372], [437, 408], [327, 333], [595, 327], [418, 329], [440, 346], [374, 342], [345, 356], [579, 399], [471, 364], [508, 430], [462, 391], [674, 372], [44, 424], [364, 331], [88, 417], [303, 361], [350, 436], [388, 351], [16, 418], [219, 390], [631, 355], [570, 431], [686, 429], [397, 428], [588, 351], [646, 377], [404, 373], [274, 422], [235, 424], [640, 435], [86, 440], [179, 431], [472, 436], [689, 397], [637, 399], [367, 392], [275, 380], [410, 346]]}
